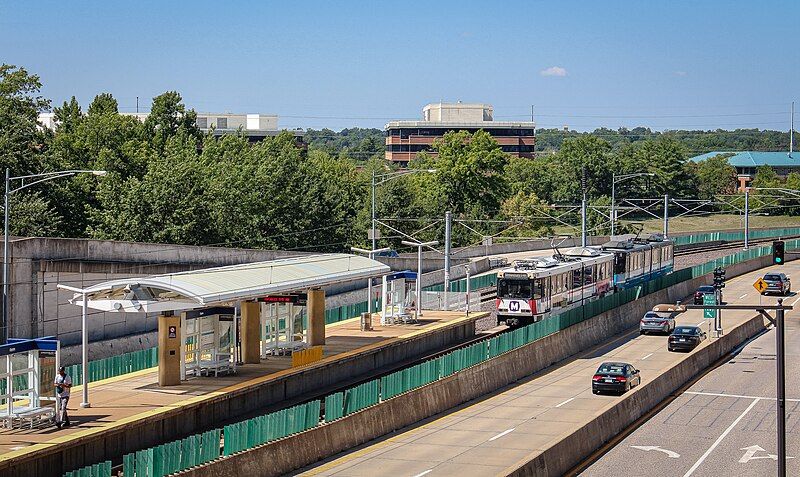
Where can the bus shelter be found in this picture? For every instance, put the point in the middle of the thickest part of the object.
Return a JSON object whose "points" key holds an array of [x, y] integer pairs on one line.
{"points": [[202, 342], [27, 373]]}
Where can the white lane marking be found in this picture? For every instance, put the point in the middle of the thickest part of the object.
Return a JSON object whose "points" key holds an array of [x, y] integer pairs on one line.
{"points": [[795, 302], [719, 439], [701, 323], [425, 472], [562, 403], [647, 356], [738, 396], [743, 296], [670, 454], [498, 436]]}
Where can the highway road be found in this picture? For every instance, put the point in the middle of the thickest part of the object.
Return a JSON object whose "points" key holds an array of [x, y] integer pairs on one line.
{"points": [[486, 436], [724, 424]]}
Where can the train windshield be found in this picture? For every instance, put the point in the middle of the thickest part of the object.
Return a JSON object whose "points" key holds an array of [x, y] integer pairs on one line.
{"points": [[525, 289]]}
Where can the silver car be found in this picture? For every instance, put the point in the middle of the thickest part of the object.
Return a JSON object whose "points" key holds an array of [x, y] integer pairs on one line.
{"points": [[659, 322]]}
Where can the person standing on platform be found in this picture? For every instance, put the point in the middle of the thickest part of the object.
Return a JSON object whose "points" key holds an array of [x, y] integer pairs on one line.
{"points": [[63, 384]]}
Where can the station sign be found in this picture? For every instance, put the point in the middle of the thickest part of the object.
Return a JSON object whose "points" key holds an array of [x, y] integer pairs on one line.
{"points": [[295, 299]]}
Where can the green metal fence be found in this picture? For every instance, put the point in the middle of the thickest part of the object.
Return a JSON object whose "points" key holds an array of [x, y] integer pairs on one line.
{"points": [[172, 457], [735, 236], [259, 430], [115, 365], [102, 469]]}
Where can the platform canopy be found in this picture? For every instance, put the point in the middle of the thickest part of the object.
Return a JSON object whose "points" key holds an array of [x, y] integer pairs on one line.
{"points": [[200, 288]]}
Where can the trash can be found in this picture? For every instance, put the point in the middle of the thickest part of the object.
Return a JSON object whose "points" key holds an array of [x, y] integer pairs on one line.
{"points": [[366, 321]]}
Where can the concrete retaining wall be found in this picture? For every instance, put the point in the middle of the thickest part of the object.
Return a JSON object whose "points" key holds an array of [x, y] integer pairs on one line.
{"points": [[283, 456], [105, 444]]}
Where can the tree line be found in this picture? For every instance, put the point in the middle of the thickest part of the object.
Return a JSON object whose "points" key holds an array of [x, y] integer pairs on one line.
{"points": [[169, 183]]}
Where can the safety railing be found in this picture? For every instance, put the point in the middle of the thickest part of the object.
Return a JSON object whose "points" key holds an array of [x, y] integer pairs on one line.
{"points": [[754, 234], [115, 365], [277, 425], [172, 457], [102, 469]]}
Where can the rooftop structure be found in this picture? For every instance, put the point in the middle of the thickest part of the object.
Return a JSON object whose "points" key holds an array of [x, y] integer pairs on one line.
{"points": [[746, 163], [405, 139], [255, 126]]}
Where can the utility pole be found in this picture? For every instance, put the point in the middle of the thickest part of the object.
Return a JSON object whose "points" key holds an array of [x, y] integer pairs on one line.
{"points": [[137, 105], [781, 390], [447, 236], [791, 131], [467, 268], [746, 218], [666, 215], [374, 246], [583, 206]]}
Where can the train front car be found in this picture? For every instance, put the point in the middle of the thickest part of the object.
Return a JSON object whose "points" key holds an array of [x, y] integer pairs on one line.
{"points": [[637, 260], [533, 290]]}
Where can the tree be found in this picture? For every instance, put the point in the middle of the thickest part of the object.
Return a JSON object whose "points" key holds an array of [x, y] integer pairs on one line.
{"points": [[766, 177], [586, 152], [21, 139], [528, 213], [715, 176], [168, 117], [68, 116], [104, 103], [469, 174], [666, 158]]}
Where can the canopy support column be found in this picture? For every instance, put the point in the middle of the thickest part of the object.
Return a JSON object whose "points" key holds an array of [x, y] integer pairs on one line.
{"points": [[169, 350], [251, 332], [316, 317]]}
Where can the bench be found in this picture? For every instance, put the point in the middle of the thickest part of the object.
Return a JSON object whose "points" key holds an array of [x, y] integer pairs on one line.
{"points": [[31, 414]]}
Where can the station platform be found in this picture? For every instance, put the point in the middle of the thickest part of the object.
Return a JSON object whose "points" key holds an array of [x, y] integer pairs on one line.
{"points": [[132, 412]]}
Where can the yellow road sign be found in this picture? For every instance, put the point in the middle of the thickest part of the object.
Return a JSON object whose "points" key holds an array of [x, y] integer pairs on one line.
{"points": [[760, 285]]}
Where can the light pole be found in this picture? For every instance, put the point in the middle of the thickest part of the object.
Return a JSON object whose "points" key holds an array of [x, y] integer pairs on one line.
{"points": [[371, 255], [615, 179], [382, 179], [36, 179], [419, 245]]}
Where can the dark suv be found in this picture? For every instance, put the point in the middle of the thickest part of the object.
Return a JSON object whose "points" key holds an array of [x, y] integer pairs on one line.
{"points": [[701, 291], [777, 283]]}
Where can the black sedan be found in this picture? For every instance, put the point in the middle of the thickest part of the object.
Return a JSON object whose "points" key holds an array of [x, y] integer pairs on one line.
{"points": [[615, 377], [685, 338]]}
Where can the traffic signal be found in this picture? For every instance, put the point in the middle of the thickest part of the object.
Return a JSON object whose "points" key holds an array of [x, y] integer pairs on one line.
{"points": [[778, 248], [719, 278]]}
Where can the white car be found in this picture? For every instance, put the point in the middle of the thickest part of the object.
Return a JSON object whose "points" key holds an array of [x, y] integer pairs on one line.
{"points": [[657, 321]]}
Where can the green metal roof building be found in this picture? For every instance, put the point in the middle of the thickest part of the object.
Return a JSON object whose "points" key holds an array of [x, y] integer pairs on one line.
{"points": [[747, 162]]}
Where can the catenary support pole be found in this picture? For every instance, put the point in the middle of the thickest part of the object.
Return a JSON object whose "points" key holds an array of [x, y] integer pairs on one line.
{"points": [[374, 243], [666, 215], [467, 305], [779, 349], [448, 216], [613, 203]]}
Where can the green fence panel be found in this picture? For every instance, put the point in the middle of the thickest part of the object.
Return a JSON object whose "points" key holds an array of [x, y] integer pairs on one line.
{"points": [[361, 396], [334, 406]]}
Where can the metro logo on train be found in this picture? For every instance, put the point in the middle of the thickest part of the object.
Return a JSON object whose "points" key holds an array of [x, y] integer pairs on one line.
{"points": [[537, 288]]}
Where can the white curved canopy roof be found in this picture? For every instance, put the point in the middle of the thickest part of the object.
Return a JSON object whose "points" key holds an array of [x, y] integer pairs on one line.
{"points": [[199, 288]]}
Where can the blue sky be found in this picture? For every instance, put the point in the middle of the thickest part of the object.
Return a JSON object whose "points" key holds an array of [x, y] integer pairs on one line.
{"points": [[667, 64]]}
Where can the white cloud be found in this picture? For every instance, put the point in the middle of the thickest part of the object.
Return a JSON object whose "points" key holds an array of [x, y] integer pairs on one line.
{"points": [[680, 73], [553, 71]]}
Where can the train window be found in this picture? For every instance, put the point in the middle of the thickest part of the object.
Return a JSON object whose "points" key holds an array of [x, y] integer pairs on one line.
{"points": [[576, 278], [657, 255], [539, 286], [588, 275], [515, 288], [619, 263]]}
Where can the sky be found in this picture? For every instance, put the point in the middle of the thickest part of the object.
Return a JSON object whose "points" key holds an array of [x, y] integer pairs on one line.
{"points": [[336, 64]]}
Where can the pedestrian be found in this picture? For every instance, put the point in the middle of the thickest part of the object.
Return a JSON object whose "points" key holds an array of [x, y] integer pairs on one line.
{"points": [[63, 384]]}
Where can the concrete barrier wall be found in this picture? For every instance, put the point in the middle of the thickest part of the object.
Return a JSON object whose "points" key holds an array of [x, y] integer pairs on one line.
{"points": [[283, 456], [105, 444]]}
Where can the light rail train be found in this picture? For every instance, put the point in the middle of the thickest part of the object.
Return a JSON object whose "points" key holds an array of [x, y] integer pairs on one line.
{"points": [[534, 289]]}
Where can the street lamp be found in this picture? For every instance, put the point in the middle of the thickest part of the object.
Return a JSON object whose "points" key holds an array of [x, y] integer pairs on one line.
{"points": [[615, 178], [419, 245], [36, 178], [382, 179]]}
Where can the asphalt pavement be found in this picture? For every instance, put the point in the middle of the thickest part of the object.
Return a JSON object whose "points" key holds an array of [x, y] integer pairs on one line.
{"points": [[724, 424]]}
